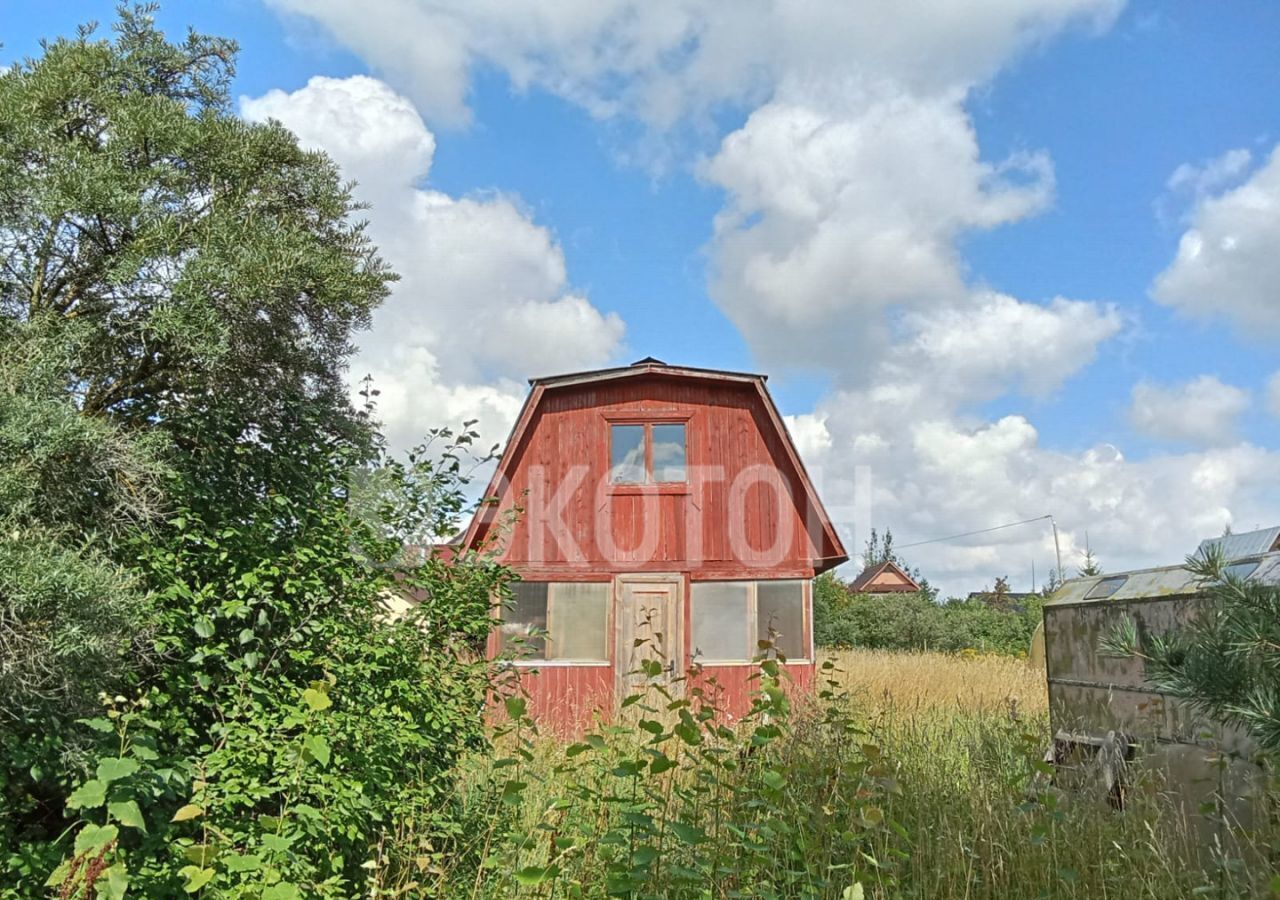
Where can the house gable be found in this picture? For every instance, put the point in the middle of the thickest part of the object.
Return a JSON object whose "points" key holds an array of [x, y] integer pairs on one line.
{"points": [[746, 508], [884, 578]]}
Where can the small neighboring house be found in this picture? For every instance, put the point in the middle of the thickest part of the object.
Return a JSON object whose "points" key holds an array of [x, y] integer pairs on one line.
{"points": [[661, 512], [884, 578]]}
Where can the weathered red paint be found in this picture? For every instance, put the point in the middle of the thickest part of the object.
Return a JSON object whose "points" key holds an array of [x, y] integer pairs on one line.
{"points": [[747, 510]]}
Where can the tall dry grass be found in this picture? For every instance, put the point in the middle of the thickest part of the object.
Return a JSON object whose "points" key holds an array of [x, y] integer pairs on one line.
{"points": [[945, 803], [882, 679]]}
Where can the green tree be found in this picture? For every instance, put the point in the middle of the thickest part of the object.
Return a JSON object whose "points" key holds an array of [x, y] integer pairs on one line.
{"points": [[193, 259], [1223, 662], [1090, 567], [178, 300]]}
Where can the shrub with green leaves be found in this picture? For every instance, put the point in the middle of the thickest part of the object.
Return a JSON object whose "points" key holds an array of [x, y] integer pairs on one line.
{"points": [[181, 540], [916, 622]]}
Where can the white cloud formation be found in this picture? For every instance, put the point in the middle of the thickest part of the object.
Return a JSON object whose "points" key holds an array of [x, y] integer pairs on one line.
{"points": [[1273, 394], [1227, 265], [838, 216], [1212, 175], [934, 474], [848, 189], [1203, 411], [483, 300], [666, 59]]}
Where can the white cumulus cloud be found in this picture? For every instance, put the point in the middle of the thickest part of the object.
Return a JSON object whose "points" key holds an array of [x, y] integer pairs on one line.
{"points": [[1227, 265], [849, 186], [483, 300], [1203, 411]]}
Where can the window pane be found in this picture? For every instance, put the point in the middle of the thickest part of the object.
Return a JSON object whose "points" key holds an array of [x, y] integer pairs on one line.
{"points": [[524, 621], [668, 453], [780, 616], [579, 614], [626, 454], [720, 621], [1106, 587]]}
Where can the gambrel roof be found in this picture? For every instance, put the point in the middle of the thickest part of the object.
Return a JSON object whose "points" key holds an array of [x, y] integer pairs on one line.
{"points": [[651, 367]]}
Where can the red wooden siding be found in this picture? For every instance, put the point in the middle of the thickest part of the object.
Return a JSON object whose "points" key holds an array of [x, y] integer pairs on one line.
{"points": [[745, 512], [736, 462]]}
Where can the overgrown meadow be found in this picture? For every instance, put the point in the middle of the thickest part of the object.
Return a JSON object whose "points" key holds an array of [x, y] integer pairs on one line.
{"points": [[909, 775]]}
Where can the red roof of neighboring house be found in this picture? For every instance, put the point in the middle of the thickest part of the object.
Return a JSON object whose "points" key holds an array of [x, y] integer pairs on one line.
{"points": [[872, 580]]}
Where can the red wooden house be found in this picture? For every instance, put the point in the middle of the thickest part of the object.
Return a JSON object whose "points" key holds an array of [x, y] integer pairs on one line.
{"points": [[652, 502]]}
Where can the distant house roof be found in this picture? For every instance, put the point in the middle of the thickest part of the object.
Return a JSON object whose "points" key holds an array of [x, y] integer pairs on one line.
{"points": [[884, 578], [1247, 543]]}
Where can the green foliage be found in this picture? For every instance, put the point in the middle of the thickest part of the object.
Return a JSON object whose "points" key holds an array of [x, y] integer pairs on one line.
{"points": [[1224, 662], [916, 622], [177, 464], [293, 718], [672, 798], [185, 250]]}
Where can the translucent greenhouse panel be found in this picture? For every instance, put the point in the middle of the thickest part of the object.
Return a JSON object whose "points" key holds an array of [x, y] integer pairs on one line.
{"points": [[721, 625], [579, 619], [524, 621], [780, 616]]}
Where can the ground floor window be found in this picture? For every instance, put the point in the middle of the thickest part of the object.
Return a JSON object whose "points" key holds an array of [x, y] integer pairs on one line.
{"points": [[730, 618], [562, 621]]}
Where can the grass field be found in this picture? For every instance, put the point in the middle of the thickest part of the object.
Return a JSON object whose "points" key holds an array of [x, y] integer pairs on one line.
{"points": [[909, 780]]}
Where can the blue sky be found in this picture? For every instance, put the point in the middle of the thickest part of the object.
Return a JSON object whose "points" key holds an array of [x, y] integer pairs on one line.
{"points": [[604, 157]]}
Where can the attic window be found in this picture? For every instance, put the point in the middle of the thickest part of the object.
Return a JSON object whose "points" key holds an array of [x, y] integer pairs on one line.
{"points": [[1106, 587], [647, 453]]}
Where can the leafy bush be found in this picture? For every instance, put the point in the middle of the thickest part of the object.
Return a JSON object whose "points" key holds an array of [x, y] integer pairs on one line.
{"points": [[916, 622], [178, 531]]}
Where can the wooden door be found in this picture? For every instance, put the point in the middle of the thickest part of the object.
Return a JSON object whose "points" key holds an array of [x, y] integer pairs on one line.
{"points": [[649, 630]]}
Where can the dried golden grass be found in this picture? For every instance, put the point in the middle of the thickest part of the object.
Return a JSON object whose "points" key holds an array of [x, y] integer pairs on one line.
{"points": [[938, 681]]}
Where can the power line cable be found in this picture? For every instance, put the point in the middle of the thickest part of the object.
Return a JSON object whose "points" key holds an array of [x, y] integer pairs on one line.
{"points": [[956, 537]]}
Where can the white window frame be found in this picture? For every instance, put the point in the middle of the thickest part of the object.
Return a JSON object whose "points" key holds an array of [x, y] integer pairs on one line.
{"points": [[753, 622]]}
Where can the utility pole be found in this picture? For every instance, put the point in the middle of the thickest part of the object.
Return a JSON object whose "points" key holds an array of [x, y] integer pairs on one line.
{"points": [[1057, 548]]}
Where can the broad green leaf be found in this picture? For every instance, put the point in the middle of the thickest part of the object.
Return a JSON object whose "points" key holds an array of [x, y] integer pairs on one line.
{"points": [[203, 627], [201, 854], [126, 812], [689, 834], [114, 768], [516, 707], [241, 862], [661, 763], [196, 878], [853, 892], [317, 748], [117, 882], [95, 837], [531, 876], [90, 795], [190, 811], [316, 700], [281, 891], [774, 779]]}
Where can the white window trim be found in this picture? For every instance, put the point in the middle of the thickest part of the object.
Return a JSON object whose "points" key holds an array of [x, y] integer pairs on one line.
{"points": [[753, 630]]}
